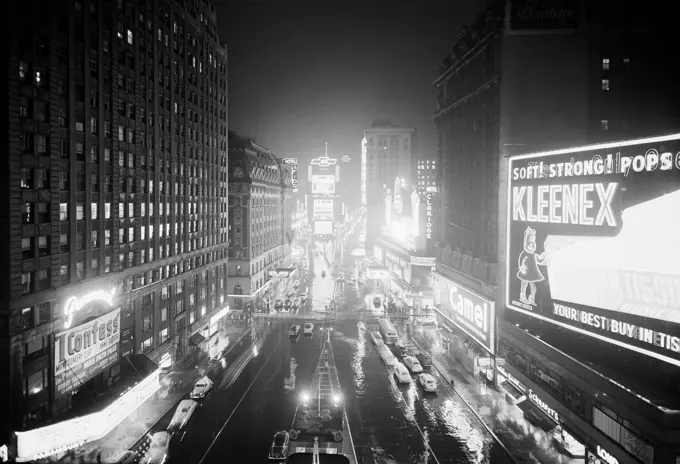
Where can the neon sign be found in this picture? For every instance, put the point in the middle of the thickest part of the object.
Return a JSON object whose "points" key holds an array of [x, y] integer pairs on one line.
{"points": [[324, 162], [363, 170], [74, 304], [544, 407], [428, 216], [605, 456], [292, 162]]}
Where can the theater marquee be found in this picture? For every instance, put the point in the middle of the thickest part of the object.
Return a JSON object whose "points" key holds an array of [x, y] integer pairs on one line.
{"points": [[592, 242]]}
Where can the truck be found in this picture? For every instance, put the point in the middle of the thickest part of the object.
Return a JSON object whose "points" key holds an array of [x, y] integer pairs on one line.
{"points": [[425, 359]]}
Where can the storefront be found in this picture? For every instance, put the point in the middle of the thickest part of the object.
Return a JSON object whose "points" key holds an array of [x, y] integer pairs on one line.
{"points": [[537, 411]]}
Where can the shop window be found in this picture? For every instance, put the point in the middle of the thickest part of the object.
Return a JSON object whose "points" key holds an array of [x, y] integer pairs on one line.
{"points": [[35, 383]]}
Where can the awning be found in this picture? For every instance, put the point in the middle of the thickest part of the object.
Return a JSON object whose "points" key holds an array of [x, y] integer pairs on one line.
{"points": [[196, 339], [537, 417], [513, 391]]}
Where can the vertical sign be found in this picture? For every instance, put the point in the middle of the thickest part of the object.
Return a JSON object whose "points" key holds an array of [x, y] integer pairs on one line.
{"points": [[428, 216], [292, 162], [363, 171]]}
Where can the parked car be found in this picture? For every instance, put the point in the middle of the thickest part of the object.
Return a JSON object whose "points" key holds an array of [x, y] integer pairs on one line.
{"points": [[279, 449], [158, 449], [183, 414], [201, 388], [294, 330], [413, 365], [428, 383], [425, 359], [303, 296], [296, 284], [401, 373], [309, 328], [278, 304], [124, 457], [297, 302]]}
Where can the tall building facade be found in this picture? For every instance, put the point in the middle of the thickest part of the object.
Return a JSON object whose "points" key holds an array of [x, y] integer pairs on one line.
{"points": [[260, 224], [390, 153], [115, 207], [530, 76]]}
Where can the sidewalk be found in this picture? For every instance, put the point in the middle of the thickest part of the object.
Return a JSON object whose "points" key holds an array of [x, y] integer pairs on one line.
{"points": [[138, 423], [525, 442]]}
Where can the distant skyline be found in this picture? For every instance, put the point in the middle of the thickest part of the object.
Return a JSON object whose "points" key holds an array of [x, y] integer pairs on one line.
{"points": [[302, 74]]}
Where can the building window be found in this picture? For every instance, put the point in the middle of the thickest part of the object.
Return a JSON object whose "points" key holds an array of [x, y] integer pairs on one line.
{"points": [[129, 37], [147, 323], [604, 125], [80, 211], [26, 283], [26, 178], [605, 64], [605, 85], [95, 239], [626, 63], [27, 213], [164, 313], [40, 143], [93, 126], [147, 345], [192, 317], [163, 336], [63, 243], [35, 383], [80, 270]]}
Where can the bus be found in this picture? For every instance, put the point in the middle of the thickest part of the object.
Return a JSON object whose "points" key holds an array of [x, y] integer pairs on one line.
{"points": [[387, 330]]}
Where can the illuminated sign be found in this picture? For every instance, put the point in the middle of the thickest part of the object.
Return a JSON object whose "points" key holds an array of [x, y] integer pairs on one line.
{"points": [[216, 318], [543, 406], [323, 184], [323, 227], [605, 456], [345, 159], [472, 313], [428, 216], [377, 273], [60, 437], [592, 243], [511, 378], [363, 170], [292, 162], [83, 351], [324, 162], [75, 305], [323, 209]]}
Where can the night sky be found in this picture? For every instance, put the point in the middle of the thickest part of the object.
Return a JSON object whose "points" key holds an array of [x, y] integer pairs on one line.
{"points": [[305, 73]]}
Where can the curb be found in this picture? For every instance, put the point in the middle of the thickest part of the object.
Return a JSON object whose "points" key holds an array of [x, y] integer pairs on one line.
{"points": [[491, 432], [138, 442]]}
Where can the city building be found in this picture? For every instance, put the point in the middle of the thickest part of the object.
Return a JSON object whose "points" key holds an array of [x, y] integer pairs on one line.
{"points": [[390, 153], [115, 214], [260, 224], [529, 77]]}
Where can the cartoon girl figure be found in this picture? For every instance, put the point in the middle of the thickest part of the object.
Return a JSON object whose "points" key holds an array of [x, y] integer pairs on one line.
{"points": [[528, 263]]}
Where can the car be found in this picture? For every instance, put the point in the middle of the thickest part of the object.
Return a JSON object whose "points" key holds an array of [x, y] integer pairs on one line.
{"points": [[323, 274], [201, 388], [124, 457], [279, 449], [428, 383], [158, 449], [182, 415], [289, 303], [303, 296], [377, 301], [401, 373], [278, 304], [296, 284], [297, 302], [294, 330], [309, 328], [413, 364]]}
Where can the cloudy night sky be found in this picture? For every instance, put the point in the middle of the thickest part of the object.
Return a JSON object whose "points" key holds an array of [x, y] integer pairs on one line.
{"points": [[305, 73]]}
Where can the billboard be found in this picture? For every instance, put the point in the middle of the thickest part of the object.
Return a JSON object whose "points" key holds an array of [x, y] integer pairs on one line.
{"points": [[323, 209], [323, 184], [82, 352], [592, 242], [472, 313], [323, 227]]}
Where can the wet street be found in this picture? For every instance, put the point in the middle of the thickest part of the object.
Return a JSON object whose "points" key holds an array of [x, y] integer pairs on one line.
{"points": [[255, 395]]}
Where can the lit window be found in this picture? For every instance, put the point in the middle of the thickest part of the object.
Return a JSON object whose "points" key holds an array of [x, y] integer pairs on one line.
{"points": [[626, 63], [605, 85], [129, 36], [23, 69], [605, 64], [63, 211], [604, 124]]}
